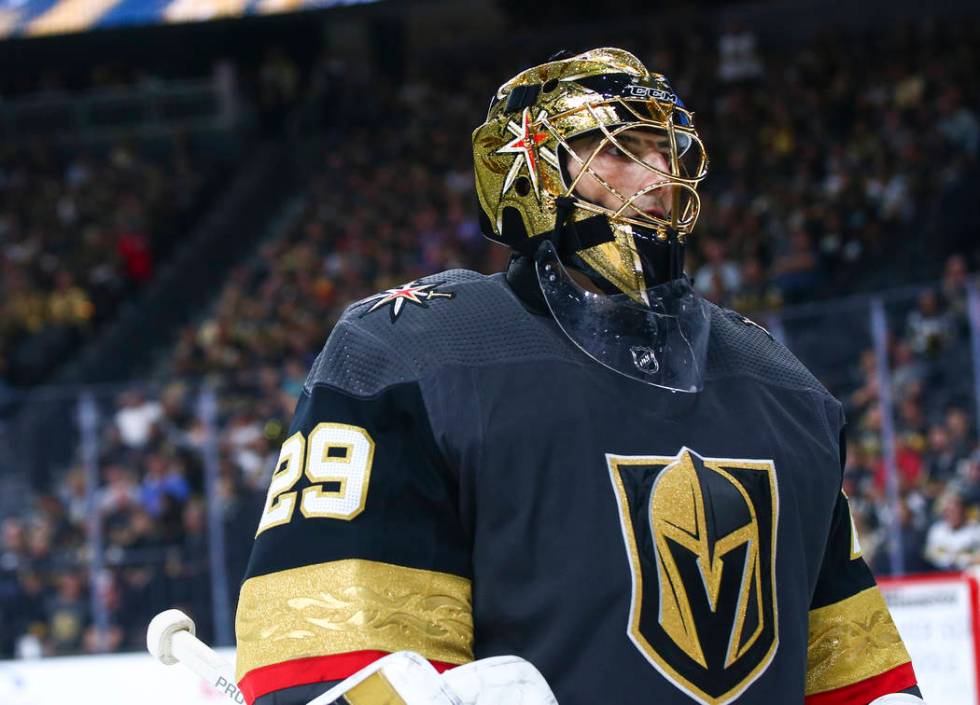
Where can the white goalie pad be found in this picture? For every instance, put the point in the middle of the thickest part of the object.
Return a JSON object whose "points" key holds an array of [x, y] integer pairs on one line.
{"points": [[406, 678], [502, 680]]}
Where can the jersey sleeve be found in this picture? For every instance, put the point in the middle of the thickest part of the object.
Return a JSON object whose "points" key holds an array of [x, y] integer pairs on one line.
{"points": [[360, 550], [854, 652]]}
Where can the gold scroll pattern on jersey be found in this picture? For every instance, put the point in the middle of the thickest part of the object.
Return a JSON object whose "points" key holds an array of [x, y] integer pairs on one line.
{"points": [[353, 605], [851, 641]]}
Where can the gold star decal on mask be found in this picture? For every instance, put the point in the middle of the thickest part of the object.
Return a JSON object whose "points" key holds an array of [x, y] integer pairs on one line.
{"points": [[527, 137]]}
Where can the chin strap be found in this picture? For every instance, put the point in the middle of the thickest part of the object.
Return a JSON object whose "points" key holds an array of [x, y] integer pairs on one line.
{"points": [[569, 237], [661, 261], [563, 208]]}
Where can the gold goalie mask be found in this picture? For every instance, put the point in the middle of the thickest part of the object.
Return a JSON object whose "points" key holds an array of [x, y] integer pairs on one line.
{"points": [[593, 162]]}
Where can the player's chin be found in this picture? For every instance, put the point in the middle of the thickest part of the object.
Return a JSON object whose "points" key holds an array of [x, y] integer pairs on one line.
{"points": [[655, 212]]}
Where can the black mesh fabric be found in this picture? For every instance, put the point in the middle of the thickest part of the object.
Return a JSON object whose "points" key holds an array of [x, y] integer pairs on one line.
{"points": [[357, 362], [739, 347], [485, 323]]}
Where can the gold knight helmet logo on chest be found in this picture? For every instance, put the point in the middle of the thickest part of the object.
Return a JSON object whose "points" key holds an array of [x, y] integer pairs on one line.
{"points": [[700, 536]]}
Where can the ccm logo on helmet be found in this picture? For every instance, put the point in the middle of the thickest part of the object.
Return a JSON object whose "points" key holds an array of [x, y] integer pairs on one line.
{"points": [[635, 90]]}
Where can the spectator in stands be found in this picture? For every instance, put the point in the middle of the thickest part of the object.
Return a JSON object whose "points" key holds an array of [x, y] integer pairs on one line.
{"points": [[68, 305], [953, 542], [96, 641], [928, 327], [117, 501], [911, 540], [870, 537], [72, 492], [133, 248], [50, 510], [910, 423], [958, 124], [13, 547], [39, 548], [908, 372], [23, 306], [954, 289], [718, 279], [968, 483], [960, 428], [163, 491], [796, 271], [28, 622], [941, 458], [188, 574], [137, 417], [67, 615], [755, 292]]}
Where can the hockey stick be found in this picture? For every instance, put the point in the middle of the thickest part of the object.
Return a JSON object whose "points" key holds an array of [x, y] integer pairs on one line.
{"points": [[170, 638]]}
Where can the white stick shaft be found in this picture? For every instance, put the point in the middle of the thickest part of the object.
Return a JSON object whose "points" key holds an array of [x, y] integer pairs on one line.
{"points": [[201, 658]]}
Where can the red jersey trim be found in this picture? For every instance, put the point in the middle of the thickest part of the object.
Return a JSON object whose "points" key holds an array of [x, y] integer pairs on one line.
{"points": [[316, 669], [863, 692]]}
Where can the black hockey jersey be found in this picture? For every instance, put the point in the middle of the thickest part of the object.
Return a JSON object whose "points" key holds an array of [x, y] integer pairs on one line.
{"points": [[463, 482]]}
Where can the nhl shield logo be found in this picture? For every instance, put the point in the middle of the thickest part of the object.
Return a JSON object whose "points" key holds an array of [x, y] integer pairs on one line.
{"points": [[700, 536]]}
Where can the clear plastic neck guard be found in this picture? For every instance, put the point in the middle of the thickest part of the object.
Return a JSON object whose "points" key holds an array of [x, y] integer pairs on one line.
{"points": [[663, 343]]}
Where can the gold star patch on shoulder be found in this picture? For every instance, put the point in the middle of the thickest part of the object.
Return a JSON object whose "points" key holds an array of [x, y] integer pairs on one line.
{"points": [[412, 292]]}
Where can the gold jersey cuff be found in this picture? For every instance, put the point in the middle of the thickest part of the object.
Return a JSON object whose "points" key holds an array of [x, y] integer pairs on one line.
{"points": [[851, 641], [352, 605]]}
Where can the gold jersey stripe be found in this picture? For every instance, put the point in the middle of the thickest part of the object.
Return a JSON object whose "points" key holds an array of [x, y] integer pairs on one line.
{"points": [[851, 641], [373, 690], [69, 16], [353, 605]]}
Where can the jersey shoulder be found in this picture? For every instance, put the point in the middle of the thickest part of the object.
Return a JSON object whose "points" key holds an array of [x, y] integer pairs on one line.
{"points": [[740, 347], [456, 317]]}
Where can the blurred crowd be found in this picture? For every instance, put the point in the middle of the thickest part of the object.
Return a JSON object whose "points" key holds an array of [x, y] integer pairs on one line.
{"points": [[151, 511], [80, 232], [839, 167], [846, 167], [927, 518]]}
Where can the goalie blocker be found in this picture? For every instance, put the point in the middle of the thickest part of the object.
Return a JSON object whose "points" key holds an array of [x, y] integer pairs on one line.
{"points": [[406, 678]]}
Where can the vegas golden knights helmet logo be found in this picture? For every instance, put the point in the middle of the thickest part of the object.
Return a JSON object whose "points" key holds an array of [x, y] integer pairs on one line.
{"points": [[700, 535]]}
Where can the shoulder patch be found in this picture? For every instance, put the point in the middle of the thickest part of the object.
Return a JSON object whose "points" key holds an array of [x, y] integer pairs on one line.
{"points": [[413, 292], [749, 322]]}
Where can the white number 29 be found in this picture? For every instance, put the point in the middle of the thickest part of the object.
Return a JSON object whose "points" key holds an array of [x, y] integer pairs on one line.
{"points": [[338, 461]]}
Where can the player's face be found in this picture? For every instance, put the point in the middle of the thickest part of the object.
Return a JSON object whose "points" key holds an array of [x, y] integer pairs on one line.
{"points": [[625, 175]]}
